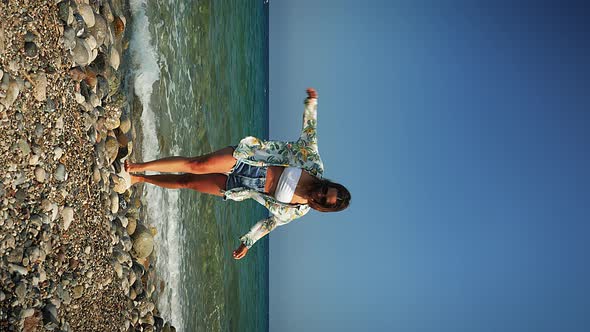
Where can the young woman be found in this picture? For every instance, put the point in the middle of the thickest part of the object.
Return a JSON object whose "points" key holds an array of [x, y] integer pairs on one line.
{"points": [[285, 177]]}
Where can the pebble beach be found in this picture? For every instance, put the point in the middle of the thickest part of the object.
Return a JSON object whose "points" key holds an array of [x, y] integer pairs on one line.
{"points": [[75, 255]]}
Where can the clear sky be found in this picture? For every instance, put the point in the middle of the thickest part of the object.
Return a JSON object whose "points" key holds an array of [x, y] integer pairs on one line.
{"points": [[462, 132]]}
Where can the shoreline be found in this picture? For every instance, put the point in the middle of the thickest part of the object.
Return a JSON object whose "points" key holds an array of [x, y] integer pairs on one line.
{"points": [[75, 255]]}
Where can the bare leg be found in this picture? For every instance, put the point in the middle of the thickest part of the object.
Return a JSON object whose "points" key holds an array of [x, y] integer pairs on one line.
{"points": [[220, 161], [206, 183]]}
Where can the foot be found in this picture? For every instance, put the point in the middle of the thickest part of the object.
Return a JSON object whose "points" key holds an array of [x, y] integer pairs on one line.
{"points": [[130, 167]]}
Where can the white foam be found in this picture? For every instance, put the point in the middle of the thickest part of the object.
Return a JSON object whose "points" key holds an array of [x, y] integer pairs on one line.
{"points": [[162, 204]]}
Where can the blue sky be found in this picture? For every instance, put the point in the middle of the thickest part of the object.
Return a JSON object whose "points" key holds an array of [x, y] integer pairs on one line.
{"points": [[461, 130]]}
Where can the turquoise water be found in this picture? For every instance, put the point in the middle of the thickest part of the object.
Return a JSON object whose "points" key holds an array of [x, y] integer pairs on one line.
{"points": [[200, 71]]}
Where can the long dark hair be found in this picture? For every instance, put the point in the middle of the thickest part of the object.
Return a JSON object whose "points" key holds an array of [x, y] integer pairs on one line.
{"points": [[316, 195]]}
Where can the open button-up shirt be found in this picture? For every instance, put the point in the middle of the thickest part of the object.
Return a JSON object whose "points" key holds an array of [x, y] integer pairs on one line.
{"points": [[302, 153]]}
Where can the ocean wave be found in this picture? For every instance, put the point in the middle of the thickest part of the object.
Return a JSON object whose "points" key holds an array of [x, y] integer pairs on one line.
{"points": [[162, 205]]}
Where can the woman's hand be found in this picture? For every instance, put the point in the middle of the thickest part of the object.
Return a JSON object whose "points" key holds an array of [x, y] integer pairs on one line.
{"points": [[311, 93], [241, 251]]}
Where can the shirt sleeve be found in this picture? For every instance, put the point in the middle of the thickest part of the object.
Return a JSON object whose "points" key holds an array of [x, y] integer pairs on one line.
{"points": [[259, 230], [308, 133]]}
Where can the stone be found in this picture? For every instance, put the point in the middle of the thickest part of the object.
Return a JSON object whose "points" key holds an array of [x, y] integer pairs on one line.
{"points": [[30, 37], [119, 25], [118, 268], [30, 49], [125, 124], [143, 242], [114, 202], [131, 225], [27, 313], [79, 25], [120, 184], [21, 291], [87, 14], [112, 148], [91, 41], [34, 160], [96, 174], [50, 108], [23, 145], [18, 269], [57, 153], [114, 58], [50, 315], [40, 88], [79, 98], [78, 291], [16, 256], [82, 52], [102, 87], [60, 173], [11, 94], [90, 77], [77, 74], [95, 100], [65, 12], [106, 12], [99, 31], [39, 130], [67, 215], [69, 38], [40, 174]]}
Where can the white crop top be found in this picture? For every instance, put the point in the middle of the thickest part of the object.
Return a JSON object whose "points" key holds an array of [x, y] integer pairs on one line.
{"points": [[287, 184]]}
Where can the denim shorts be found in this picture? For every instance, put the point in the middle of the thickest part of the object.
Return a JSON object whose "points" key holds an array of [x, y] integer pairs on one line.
{"points": [[248, 176]]}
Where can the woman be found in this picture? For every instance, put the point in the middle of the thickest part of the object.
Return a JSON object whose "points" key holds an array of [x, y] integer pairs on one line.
{"points": [[285, 177]]}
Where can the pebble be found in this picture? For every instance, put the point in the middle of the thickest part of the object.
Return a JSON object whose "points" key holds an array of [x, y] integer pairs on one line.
{"points": [[77, 292], [17, 268], [34, 159], [114, 58], [112, 148], [11, 94], [77, 74], [143, 242], [27, 313], [30, 49], [67, 215], [69, 38], [132, 223], [79, 98], [95, 100], [30, 37], [39, 130], [87, 14], [82, 53], [50, 315], [60, 173], [65, 12], [96, 174], [24, 146], [21, 291], [79, 25], [49, 108], [99, 30], [57, 153], [118, 268], [114, 202], [40, 174], [40, 90], [119, 25]]}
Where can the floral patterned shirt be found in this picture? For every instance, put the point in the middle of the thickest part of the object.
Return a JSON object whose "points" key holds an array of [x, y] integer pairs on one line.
{"points": [[302, 153]]}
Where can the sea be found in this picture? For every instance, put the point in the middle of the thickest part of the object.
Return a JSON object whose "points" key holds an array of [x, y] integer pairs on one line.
{"points": [[198, 70]]}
